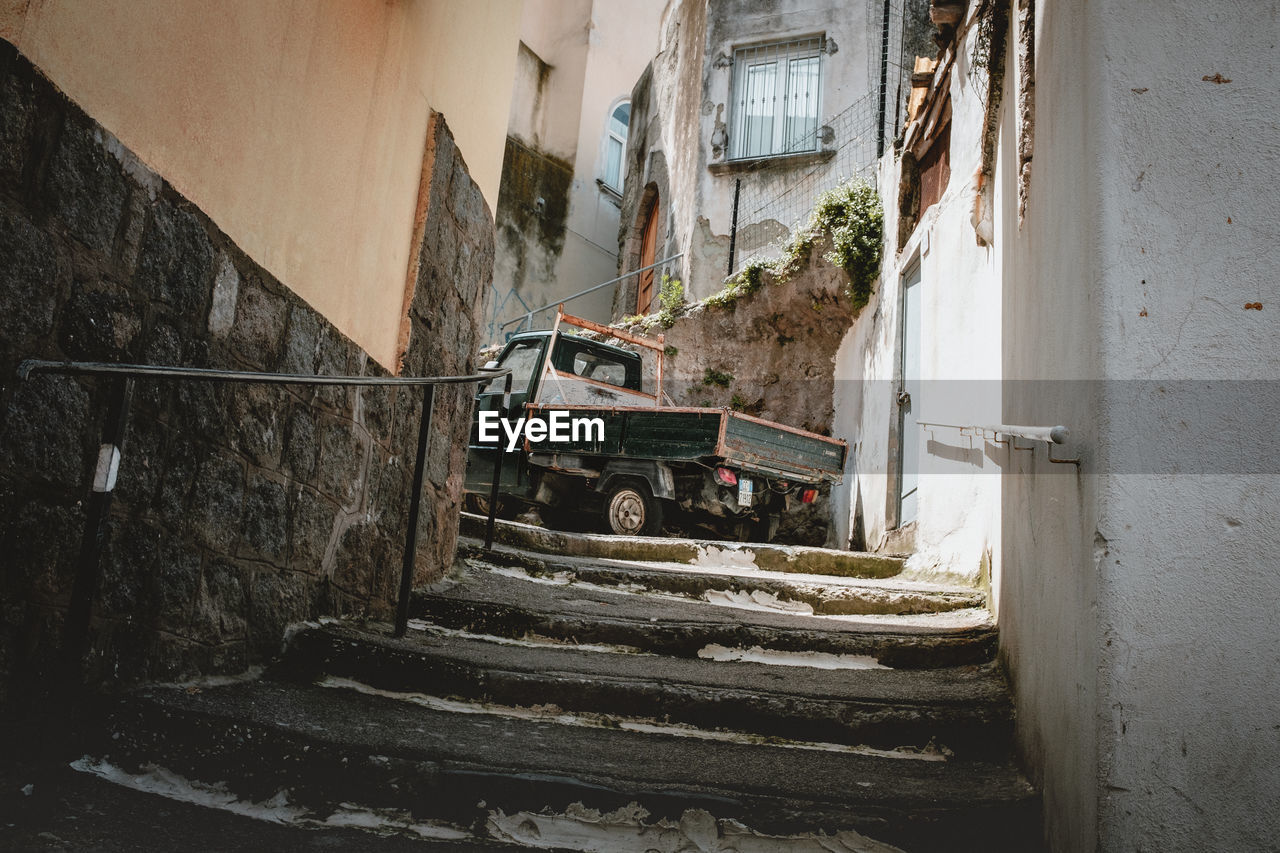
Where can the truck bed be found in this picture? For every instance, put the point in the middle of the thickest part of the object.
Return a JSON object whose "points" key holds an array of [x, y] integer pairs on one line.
{"points": [[685, 433]]}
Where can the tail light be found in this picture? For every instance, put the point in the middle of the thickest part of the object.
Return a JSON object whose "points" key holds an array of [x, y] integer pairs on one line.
{"points": [[808, 496], [725, 477]]}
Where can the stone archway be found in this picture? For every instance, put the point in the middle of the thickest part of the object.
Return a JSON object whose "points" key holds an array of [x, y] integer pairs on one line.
{"points": [[647, 218]]}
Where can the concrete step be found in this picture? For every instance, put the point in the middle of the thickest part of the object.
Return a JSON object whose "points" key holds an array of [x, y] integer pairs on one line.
{"points": [[964, 710], [488, 602], [323, 750], [825, 595], [68, 810], [699, 552]]}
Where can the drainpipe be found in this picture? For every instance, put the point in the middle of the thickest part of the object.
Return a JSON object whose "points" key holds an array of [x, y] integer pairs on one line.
{"points": [[884, 78]]}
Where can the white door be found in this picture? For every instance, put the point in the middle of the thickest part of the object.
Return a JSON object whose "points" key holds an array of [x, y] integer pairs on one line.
{"points": [[908, 399]]}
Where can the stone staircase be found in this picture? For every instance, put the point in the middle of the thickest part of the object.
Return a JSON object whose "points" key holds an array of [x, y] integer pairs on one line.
{"points": [[545, 701]]}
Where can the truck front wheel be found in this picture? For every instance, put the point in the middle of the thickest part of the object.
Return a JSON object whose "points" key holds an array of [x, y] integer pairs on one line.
{"points": [[631, 511]]}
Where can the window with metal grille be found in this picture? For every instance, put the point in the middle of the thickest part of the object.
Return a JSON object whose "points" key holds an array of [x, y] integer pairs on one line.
{"points": [[777, 97]]}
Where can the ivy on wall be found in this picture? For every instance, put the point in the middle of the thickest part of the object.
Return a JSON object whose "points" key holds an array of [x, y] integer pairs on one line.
{"points": [[852, 217]]}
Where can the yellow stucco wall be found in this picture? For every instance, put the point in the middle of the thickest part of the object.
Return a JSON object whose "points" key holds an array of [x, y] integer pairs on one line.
{"points": [[297, 126]]}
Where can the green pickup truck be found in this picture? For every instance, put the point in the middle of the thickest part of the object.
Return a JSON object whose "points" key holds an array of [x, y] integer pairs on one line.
{"points": [[593, 440]]}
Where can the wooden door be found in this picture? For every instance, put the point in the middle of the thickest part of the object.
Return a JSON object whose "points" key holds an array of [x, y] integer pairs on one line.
{"points": [[648, 246]]}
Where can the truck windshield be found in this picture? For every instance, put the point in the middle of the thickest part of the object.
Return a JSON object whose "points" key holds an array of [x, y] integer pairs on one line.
{"points": [[523, 360]]}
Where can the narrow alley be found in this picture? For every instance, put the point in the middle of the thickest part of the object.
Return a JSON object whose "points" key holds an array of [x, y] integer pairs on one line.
{"points": [[669, 426]]}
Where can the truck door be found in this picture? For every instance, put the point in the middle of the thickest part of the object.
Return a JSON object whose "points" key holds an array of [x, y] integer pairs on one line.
{"points": [[524, 357]]}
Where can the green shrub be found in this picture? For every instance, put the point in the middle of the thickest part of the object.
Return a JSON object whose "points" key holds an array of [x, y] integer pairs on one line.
{"points": [[852, 214], [670, 300], [748, 280], [716, 377]]}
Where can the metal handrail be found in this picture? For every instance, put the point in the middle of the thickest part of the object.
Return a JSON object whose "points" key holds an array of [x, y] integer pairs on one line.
{"points": [[208, 374], [1050, 435], [88, 567], [528, 315], [1047, 434]]}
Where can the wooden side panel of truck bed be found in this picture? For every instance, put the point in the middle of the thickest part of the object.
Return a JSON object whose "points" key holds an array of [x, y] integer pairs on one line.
{"points": [[684, 433]]}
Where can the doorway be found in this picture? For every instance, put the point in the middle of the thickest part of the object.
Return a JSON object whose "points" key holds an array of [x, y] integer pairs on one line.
{"points": [[648, 249], [909, 399]]}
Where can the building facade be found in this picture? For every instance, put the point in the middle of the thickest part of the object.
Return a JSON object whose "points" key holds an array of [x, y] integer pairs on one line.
{"points": [[749, 110], [562, 176], [1073, 239], [288, 189]]}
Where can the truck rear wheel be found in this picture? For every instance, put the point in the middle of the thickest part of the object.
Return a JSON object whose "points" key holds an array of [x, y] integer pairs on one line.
{"points": [[630, 510]]}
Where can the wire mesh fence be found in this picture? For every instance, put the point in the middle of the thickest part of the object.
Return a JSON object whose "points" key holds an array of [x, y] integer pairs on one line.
{"points": [[775, 199]]}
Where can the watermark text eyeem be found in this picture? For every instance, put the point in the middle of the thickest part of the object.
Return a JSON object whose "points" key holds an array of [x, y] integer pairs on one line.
{"points": [[558, 427]]}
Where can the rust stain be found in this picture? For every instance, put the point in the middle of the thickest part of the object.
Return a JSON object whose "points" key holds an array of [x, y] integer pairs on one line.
{"points": [[1141, 91], [1228, 220], [1142, 313], [1216, 78], [1253, 306]]}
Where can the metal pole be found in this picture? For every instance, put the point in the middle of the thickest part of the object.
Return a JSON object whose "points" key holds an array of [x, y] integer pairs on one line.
{"points": [[498, 453], [529, 316], [733, 226], [89, 563], [415, 507], [884, 78]]}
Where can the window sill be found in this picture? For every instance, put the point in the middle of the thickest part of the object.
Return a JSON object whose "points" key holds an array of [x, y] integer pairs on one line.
{"points": [[755, 164], [609, 192]]}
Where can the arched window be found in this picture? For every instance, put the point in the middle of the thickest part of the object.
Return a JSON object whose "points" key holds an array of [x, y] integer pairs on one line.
{"points": [[615, 145]]}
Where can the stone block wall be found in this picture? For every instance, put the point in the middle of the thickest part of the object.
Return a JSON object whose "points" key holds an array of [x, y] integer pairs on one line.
{"points": [[240, 508], [771, 354]]}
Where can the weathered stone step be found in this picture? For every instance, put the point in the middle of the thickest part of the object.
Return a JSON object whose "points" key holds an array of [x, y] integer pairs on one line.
{"points": [[826, 595], [774, 558], [963, 709], [329, 746], [68, 810], [490, 603]]}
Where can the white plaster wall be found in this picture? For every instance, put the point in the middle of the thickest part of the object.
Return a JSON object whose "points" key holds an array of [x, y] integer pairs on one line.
{"points": [[959, 492], [596, 51], [1137, 614], [1136, 604], [556, 31], [958, 521], [1189, 749], [1047, 589], [1020, 310]]}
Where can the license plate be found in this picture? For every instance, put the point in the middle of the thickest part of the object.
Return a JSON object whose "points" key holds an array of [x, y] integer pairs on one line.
{"points": [[745, 490]]}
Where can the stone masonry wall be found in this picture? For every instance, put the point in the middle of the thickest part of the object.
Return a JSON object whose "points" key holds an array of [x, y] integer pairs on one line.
{"points": [[240, 509], [771, 354]]}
